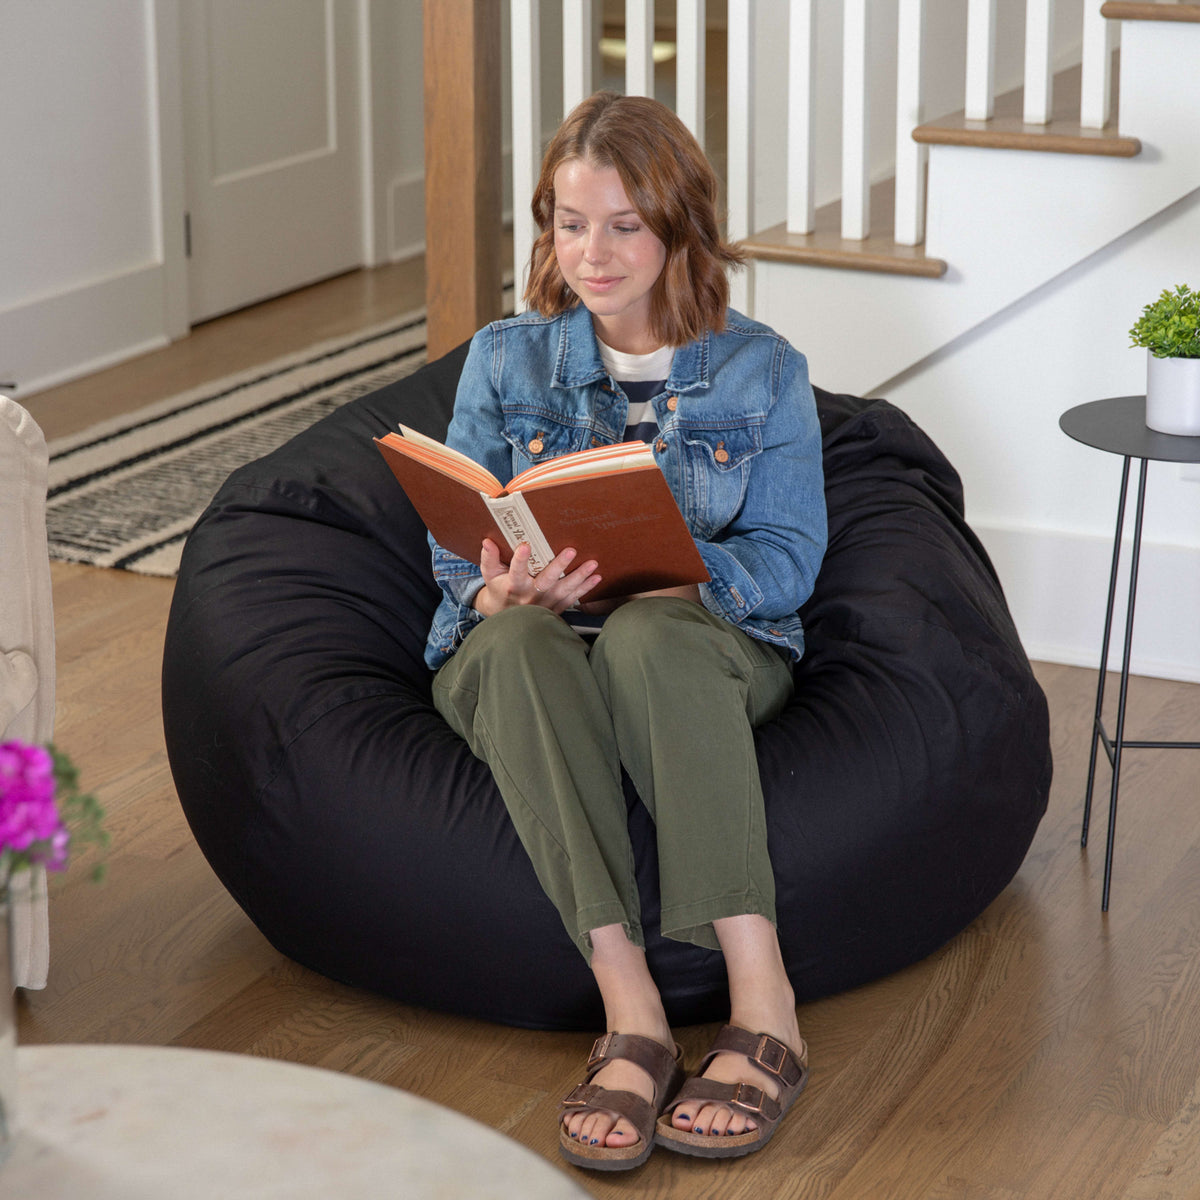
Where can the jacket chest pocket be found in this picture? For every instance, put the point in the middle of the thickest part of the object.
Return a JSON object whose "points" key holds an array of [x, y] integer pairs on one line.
{"points": [[535, 438], [719, 462]]}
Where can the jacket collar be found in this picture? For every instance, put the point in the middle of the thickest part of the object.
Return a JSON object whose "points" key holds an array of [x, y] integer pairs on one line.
{"points": [[578, 361]]}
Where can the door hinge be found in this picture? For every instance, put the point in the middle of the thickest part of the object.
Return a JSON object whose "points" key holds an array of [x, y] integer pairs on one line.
{"points": [[187, 235]]}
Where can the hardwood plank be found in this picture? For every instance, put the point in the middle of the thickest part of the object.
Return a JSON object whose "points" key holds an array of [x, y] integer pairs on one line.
{"points": [[825, 246], [1172, 1168], [1007, 130], [233, 343]]}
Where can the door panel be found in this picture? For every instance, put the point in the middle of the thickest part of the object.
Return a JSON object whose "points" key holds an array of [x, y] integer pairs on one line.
{"points": [[271, 119]]}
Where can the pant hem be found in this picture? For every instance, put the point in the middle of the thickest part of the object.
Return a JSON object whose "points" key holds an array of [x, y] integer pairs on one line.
{"points": [[693, 922]]}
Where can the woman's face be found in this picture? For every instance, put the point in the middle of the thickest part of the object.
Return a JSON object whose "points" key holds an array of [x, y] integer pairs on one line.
{"points": [[606, 254]]}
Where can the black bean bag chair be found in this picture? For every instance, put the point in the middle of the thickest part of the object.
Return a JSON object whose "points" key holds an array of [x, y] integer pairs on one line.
{"points": [[903, 783]]}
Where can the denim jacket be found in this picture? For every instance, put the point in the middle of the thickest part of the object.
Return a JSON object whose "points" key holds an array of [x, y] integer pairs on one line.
{"points": [[739, 444]]}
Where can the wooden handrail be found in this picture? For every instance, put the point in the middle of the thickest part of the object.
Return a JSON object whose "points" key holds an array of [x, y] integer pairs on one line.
{"points": [[463, 203], [1123, 10]]}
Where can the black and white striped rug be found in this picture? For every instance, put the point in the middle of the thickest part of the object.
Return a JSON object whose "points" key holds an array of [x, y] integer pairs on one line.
{"points": [[126, 493]]}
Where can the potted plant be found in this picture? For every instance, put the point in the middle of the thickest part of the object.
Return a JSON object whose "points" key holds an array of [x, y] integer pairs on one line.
{"points": [[1169, 329]]}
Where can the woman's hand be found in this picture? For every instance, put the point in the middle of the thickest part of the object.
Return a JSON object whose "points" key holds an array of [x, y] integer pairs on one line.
{"points": [[554, 588]]}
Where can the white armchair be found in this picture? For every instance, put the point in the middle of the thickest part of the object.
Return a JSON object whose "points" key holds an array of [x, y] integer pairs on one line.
{"points": [[26, 651]]}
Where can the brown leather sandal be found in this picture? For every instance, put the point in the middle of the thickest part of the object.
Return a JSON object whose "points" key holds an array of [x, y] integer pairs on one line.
{"points": [[766, 1053], [666, 1072]]}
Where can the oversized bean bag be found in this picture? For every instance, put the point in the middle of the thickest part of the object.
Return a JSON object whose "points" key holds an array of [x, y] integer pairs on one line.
{"points": [[903, 782]]}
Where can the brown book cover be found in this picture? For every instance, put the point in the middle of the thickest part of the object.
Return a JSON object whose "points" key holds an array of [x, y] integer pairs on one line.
{"points": [[611, 504]]}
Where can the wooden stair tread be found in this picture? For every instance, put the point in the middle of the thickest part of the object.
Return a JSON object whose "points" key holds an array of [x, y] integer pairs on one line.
{"points": [[1150, 10], [1007, 129], [825, 246]]}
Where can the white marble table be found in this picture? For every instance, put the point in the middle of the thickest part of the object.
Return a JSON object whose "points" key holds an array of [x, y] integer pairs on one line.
{"points": [[142, 1122]]}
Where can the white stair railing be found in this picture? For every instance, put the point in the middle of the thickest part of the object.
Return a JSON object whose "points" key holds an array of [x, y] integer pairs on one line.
{"points": [[1039, 61], [1098, 40], [525, 39], [802, 115], [639, 47], [911, 156], [578, 45], [981, 60], [690, 65], [856, 162], [1100, 37], [739, 175]]}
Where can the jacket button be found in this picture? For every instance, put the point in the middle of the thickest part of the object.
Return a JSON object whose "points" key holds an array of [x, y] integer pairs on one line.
{"points": [[721, 455], [536, 446], [661, 446], [595, 441], [672, 403]]}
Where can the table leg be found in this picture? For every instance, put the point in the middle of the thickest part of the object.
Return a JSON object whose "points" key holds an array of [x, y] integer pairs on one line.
{"points": [[1097, 725], [1119, 740]]}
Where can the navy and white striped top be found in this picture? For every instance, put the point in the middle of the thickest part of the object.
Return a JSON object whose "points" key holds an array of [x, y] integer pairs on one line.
{"points": [[641, 377]]}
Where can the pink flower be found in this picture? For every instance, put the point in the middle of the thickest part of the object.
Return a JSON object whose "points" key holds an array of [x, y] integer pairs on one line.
{"points": [[31, 831]]}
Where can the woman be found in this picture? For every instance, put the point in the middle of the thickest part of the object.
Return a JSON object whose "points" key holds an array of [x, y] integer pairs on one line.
{"points": [[628, 336]]}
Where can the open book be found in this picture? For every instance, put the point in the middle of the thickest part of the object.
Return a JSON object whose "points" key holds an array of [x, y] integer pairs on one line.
{"points": [[611, 503]]}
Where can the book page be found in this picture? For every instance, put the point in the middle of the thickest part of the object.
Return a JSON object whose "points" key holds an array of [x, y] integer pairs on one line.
{"points": [[620, 457], [442, 458]]}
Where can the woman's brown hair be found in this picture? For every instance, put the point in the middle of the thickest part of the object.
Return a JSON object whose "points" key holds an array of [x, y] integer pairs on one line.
{"points": [[671, 185]]}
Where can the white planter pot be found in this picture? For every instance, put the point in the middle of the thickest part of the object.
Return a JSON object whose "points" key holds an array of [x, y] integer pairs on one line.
{"points": [[1173, 395]]}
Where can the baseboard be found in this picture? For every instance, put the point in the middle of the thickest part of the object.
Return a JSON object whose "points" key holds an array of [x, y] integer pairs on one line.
{"points": [[83, 329], [1056, 583]]}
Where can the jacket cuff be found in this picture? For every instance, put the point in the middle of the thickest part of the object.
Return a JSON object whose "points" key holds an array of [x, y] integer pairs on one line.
{"points": [[731, 591]]}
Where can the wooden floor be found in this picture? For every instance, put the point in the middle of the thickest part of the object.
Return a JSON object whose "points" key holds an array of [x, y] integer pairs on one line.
{"points": [[1049, 1051]]}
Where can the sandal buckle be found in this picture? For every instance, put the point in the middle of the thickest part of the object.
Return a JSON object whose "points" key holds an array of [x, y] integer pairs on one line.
{"points": [[580, 1096], [746, 1096], [771, 1055], [600, 1050]]}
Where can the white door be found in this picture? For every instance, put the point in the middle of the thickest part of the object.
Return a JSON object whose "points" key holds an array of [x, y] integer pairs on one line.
{"points": [[271, 143]]}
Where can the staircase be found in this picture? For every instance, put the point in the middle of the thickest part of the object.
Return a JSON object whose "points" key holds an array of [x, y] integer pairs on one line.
{"points": [[1042, 242], [1011, 206]]}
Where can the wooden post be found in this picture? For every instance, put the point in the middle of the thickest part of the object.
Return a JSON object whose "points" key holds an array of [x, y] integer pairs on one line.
{"points": [[462, 169]]}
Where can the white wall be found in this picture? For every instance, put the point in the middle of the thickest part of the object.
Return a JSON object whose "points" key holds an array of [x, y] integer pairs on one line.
{"points": [[397, 133], [1051, 259], [1044, 505], [82, 260]]}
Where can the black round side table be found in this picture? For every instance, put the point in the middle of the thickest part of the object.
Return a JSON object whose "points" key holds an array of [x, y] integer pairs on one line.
{"points": [[1118, 426]]}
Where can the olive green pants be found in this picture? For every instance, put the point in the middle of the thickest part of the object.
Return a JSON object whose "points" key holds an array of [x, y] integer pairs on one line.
{"points": [[671, 691]]}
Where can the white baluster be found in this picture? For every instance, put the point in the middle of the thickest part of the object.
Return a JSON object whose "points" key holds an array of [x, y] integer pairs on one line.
{"points": [[1039, 67], [910, 157], [526, 133], [1099, 38], [981, 59], [802, 58], [739, 175], [690, 65], [856, 183], [577, 52], [639, 47]]}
